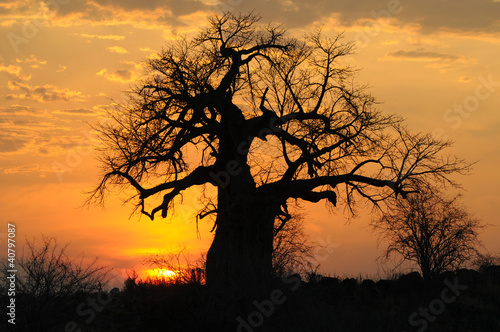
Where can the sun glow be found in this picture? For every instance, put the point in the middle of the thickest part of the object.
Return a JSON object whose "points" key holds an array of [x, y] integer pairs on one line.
{"points": [[160, 274]]}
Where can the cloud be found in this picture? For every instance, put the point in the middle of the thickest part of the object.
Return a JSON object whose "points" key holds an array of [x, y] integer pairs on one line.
{"points": [[464, 79], [14, 71], [121, 75], [16, 133], [61, 69], [461, 16], [19, 109], [117, 49], [11, 69], [144, 14], [28, 169], [177, 8], [30, 132], [422, 55], [441, 61], [45, 93], [152, 53], [9, 144], [107, 37], [76, 111], [32, 61], [130, 72], [480, 16]]}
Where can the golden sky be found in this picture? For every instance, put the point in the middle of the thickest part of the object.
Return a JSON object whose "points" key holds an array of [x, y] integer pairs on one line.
{"points": [[63, 62]]}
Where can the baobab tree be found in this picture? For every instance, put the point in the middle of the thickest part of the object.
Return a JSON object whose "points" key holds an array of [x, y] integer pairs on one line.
{"points": [[433, 231], [264, 118]]}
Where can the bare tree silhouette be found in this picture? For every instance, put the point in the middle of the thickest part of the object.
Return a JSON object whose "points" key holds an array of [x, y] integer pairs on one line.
{"points": [[264, 118], [50, 283], [293, 250], [435, 232], [47, 270]]}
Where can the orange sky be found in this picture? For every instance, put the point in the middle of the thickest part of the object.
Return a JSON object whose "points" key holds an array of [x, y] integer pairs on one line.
{"points": [[62, 63]]}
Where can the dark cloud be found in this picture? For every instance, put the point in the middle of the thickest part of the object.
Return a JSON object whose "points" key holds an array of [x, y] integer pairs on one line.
{"points": [[134, 4], [100, 10], [178, 8], [78, 6], [18, 109], [424, 55], [465, 16], [44, 93], [130, 72], [442, 61], [459, 15], [78, 111], [430, 15], [24, 122], [124, 73], [292, 14], [8, 144]]}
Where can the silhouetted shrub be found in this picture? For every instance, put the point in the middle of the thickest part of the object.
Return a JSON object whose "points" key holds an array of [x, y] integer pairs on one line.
{"points": [[51, 284]]}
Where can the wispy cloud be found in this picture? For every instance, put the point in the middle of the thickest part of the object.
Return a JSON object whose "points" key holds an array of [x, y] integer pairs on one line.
{"points": [[40, 169], [423, 55], [32, 61], [120, 75], [464, 79], [76, 111], [107, 37], [10, 144], [45, 93], [117, 49], [11, 69], [19, 110], [441, 61], [15, 71], [26, 131], [129, 72], [152, 53]]}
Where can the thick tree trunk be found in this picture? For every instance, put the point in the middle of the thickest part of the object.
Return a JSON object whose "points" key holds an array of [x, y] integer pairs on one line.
{"points": [[241, 253]]}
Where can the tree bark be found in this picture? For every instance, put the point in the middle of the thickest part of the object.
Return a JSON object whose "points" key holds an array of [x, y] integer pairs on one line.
{"points": [[241, 253]]}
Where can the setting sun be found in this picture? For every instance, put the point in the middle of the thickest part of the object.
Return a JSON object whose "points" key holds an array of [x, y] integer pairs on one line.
{"points": [[160, 274]]}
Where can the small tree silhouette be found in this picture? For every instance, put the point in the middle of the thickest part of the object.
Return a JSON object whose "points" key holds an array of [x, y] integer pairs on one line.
{"points": [[50, 281], [263, 118], [430, 230], [47, 270], [293, 250]]}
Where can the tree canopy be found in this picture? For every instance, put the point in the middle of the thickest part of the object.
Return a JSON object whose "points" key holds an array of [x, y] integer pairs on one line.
{"points": [[433, 231]]}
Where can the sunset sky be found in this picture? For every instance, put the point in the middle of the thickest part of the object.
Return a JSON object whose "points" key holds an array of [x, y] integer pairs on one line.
{"points": [[64, 62]]}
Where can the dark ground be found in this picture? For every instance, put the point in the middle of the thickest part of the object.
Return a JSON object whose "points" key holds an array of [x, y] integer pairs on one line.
{"points": [[463, 301]]}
